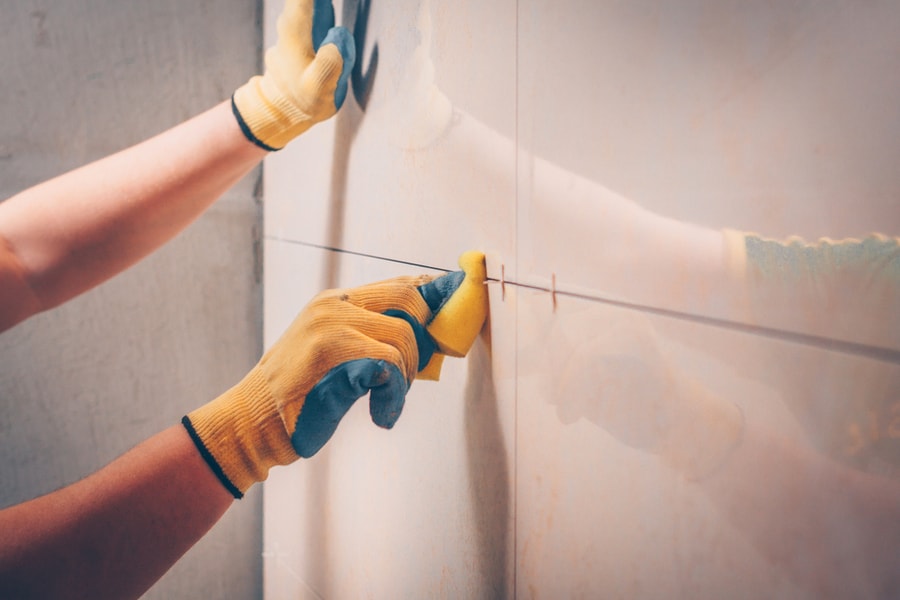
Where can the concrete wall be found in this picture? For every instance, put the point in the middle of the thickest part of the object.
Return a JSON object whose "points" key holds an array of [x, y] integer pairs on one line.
{"points": [[86, 382], [598, 149]]}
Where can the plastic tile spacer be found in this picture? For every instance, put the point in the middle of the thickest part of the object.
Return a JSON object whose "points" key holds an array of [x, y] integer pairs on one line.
{"points": [[553, 290]]}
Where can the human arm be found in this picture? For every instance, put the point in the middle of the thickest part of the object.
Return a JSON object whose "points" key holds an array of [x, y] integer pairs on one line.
{"points": [[114, 533], [65, 236], [73, 232]]}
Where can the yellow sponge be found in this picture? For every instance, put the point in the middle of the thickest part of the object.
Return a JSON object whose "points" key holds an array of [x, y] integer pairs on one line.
{"points": [[461, 318]]}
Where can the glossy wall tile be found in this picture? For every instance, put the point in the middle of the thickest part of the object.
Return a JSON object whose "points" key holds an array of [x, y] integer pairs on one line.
{"points": [[648, 128], [661, 406], [423, 510], [658, 459], [391, 175]]}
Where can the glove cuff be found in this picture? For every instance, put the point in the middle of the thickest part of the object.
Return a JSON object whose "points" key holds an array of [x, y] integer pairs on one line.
{"points": [[241, 435], [245, 128], [267, 119]]}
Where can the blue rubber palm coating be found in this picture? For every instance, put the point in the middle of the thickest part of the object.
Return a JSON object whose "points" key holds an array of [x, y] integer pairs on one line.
{"points": [[343, 39], [324, 32], [331, 398], [323, 20], [334, 394], [437, 291], [424, 342]]}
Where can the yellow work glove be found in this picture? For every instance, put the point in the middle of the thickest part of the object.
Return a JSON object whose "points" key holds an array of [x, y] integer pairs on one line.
{"points": [[343, 345], [305, 80]]}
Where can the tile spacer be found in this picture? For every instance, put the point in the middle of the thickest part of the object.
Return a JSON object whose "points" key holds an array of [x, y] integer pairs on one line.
{"points": [[553, 290]]}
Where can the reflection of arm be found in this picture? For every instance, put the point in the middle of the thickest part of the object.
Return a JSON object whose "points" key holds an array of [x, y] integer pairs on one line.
{"points": [[834, 529], [62, 237], [840, 289], [607, 243], [620, 247], [114, 533], [816, 518], [601, 237]]}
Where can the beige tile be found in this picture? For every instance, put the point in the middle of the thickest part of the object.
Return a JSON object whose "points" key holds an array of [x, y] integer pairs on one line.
{"points": [[600, 149], [424, 510], [645, 130], [400, 179], [637, 478]]}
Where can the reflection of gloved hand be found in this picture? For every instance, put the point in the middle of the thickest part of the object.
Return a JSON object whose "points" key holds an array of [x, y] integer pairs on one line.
{"points": [[416, 113], [305, 79], [620, 378], [344, 344]]}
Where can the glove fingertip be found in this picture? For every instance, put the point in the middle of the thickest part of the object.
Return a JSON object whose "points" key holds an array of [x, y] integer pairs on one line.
{"points": [[330, 399], [437, 291], [387, 399]]}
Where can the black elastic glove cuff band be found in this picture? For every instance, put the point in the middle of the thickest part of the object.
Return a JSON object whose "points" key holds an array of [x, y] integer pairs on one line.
{"points": [[210, 460], [244, 128]]}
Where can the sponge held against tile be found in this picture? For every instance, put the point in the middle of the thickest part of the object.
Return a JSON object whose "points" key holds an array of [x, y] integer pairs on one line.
{"points": [[459, 305]]}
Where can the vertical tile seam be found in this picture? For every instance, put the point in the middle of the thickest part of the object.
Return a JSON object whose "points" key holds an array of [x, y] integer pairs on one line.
{"points": [[515, 453]]}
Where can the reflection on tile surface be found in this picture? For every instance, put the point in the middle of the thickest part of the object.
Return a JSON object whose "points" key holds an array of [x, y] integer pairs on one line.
{"points": [[650, 129], [735, 435], [392, 180], [659, 458]]}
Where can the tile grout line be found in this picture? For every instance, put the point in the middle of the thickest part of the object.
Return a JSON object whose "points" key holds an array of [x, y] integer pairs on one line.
{"points": [[888, 355], [515, 449], [355, 253], [879, 353]]}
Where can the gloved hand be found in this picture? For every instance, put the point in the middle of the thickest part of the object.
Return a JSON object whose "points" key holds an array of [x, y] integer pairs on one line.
{"points": [[344, 344], [305, 80]]}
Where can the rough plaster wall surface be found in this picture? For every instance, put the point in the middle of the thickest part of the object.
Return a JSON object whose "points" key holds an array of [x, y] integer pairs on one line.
{"points": [[597, 150], [83, 383]]}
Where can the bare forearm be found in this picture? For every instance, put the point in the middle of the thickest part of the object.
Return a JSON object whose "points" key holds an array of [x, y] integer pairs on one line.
{"points": [[116, 532], [81, 228]]}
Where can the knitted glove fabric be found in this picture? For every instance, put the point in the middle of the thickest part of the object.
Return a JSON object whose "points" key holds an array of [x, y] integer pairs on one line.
{"points": [[305, 80], [340, 347], [344, 344]]}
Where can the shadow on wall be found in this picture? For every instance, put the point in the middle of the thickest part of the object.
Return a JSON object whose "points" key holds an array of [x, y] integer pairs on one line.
{"points": [[489, 482], [347, 125]]}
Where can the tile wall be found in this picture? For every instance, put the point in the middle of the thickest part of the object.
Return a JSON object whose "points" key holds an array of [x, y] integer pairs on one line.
{"points": [[636, 423]]}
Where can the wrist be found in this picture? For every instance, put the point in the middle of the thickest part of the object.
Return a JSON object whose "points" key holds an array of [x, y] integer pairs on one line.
{"points": [[266, 117], [241, 435], [247, 128]]}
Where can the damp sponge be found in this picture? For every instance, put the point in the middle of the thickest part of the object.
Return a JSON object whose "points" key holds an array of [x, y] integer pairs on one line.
{"points": [[461, 314]]}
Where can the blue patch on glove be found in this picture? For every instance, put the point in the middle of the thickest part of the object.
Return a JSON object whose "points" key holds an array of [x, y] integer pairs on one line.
{"points": [[437, 291], [331, 398], [323, 20], [423, 340], [343, 39]]}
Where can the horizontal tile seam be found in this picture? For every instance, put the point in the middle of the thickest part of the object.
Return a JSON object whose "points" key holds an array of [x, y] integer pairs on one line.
{"points": [[887, 355]]}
